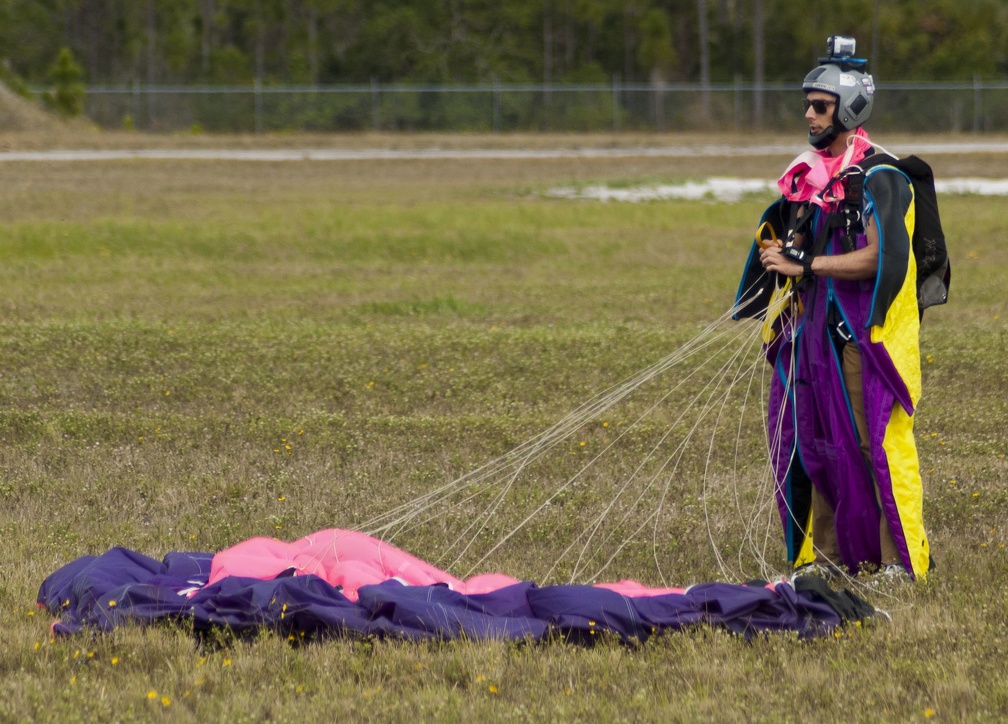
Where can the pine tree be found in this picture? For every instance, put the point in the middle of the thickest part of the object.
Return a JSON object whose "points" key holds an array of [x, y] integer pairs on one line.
{"points": [[67, 77]]}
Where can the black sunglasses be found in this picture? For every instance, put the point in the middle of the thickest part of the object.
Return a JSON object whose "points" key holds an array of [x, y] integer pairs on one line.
{"points": [[819, 106]]}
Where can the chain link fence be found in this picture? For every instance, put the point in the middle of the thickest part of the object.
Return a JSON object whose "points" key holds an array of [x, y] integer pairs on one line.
{"points": [[980, 107]]}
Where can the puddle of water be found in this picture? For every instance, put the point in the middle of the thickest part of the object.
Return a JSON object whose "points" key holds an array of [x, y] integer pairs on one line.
{"points": [[980, 186], [734, 189]]}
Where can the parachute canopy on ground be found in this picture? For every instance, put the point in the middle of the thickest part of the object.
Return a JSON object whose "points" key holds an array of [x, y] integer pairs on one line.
{"points": [[338, 582]]}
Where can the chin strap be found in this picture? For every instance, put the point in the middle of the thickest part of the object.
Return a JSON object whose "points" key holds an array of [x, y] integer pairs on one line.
{"points": [[822, 140]]}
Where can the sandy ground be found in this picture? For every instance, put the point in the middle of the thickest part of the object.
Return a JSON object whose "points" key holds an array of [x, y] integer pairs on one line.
{"points": [[959, 159], [563, 148]]}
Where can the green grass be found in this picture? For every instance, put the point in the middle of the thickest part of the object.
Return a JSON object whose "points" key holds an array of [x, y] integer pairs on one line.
{"points": [[196, 353]]}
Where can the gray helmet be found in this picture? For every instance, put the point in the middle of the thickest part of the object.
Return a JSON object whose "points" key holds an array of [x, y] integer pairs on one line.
{"points": [[855, 93]]}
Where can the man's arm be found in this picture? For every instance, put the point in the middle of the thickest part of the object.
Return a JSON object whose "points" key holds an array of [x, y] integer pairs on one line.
{"points": [[858, 264]]}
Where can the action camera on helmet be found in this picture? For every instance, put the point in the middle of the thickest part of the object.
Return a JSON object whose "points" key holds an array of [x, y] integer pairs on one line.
{"points": [[840, 46], [840, 51]]}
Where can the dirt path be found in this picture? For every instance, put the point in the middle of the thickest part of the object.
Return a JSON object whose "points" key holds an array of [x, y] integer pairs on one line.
{"points": [[436, 153]]}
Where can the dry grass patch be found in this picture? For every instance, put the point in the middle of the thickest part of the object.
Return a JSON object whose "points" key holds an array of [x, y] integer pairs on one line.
{"points": [[171, 328]]}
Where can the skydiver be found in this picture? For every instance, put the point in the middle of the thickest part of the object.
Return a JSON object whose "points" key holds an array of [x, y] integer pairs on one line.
{"points": [[846, 356]]}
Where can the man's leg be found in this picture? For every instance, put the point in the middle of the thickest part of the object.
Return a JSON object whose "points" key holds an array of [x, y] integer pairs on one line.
{"points": [[852, 380], [824, 537]]}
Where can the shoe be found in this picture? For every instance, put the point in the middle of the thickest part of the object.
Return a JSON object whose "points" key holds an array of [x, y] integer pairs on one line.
{"points": [[825, 571], [893, 574]]}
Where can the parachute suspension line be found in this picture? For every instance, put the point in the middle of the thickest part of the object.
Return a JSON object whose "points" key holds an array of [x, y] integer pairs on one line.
{"points": [[761, 504], [501, 474], [715, 383], [725, 396], [655, 514], [606, 401], [758, 508], [677, 456], [528, 451], [571, 481], [591, 412]]}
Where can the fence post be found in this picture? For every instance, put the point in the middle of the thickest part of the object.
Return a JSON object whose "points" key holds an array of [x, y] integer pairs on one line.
{"points": [[151, 109], [976, 103], [136, 104], [374, 104], [737, 101], [258, 106], [658, 96], [496, 106], [615, 104]]}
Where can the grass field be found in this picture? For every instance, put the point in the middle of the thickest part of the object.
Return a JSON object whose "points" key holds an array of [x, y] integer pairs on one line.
{"points": [[195, 353]]}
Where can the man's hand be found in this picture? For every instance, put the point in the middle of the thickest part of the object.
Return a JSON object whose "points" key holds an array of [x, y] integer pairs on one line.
{"points": [[773, 259]]}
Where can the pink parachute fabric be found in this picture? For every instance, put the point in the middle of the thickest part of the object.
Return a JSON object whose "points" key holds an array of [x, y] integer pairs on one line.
{"points": [[812, 176], [343, 558]]}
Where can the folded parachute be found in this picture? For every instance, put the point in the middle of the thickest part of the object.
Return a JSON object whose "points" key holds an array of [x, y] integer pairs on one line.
{"points": [[338, 582]]}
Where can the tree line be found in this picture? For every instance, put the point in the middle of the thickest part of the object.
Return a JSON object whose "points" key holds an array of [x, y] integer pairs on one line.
{"points": [[317, 42]]}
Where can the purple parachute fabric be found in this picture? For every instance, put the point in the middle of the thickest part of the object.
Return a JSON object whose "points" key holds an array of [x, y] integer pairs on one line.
{"points": [[125, 587]]}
